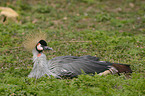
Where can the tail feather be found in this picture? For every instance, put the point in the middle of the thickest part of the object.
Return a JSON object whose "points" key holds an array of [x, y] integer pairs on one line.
{"points": [[122, 68]]}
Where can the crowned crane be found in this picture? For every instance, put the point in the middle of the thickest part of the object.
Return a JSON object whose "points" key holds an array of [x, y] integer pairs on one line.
{"points": [[71, 66]]}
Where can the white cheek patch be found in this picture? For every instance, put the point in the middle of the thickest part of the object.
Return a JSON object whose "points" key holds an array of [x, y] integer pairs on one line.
{"points": [[39, 47]]}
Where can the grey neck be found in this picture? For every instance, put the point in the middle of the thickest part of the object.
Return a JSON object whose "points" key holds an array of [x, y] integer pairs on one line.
{"points": [[35, 53]]}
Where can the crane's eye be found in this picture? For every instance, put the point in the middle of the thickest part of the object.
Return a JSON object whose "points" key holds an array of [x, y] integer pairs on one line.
{"points": [[39, 47]]}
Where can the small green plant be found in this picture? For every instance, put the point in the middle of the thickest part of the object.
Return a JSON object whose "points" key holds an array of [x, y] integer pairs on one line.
{"points": [[44, 9], [101, 17]]}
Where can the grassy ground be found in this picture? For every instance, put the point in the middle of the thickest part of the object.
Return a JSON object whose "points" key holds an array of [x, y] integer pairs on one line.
{"points": [[112, 30]]}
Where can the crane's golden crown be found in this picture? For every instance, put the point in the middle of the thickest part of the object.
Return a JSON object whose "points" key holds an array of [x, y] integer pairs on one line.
{"points": [[32, 39]]}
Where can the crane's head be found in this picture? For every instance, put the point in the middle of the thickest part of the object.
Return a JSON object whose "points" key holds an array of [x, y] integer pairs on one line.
{"points": [[42, 45], [36, 41]]}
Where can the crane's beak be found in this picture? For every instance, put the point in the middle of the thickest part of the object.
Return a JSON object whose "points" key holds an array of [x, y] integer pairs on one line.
{"points": [[47, 48]]}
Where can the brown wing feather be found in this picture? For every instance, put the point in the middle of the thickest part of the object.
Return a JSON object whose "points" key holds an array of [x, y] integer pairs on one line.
{"points": [[122, 68]]}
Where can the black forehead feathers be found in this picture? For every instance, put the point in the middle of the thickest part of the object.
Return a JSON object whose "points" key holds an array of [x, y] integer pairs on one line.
{"points": [[42, 42]]}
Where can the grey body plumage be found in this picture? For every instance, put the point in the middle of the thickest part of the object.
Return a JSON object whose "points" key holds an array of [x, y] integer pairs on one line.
{"points": [[41, 66]]}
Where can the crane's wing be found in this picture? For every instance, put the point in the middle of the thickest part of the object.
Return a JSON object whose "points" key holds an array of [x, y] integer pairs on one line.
{"points": [[71, 66]]}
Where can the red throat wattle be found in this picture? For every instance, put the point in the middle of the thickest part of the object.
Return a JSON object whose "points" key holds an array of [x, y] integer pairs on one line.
{"points": [[39, 55]]}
